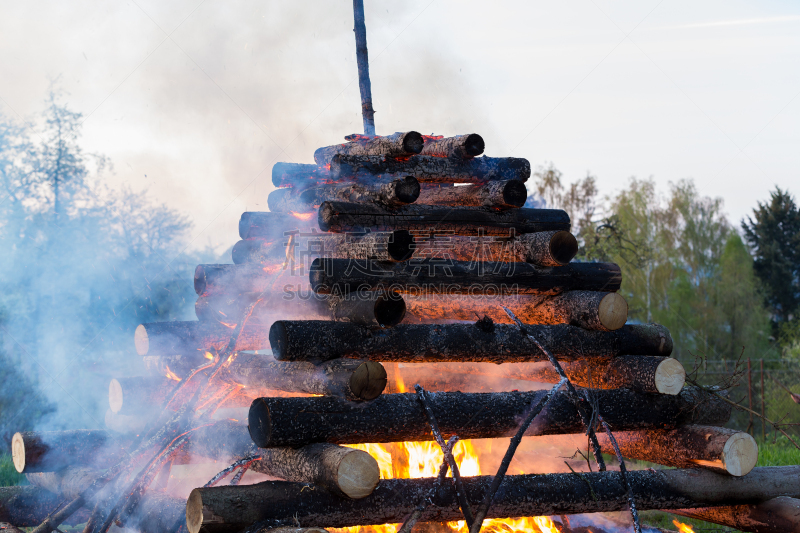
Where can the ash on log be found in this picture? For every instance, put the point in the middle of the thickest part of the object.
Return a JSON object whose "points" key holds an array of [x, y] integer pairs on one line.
{"points": [[343, 471], [433, 276], [778, 515], [724, 450], [483, 341], [499, 194], [27, 506], [380, 310], [342, 217], [602, 311], [458, 147], [229, 509], [273, 226], [399, 417], [193, 337], [45, 451], [396, 193], [400, 144], [431, 169], [299, 175]]}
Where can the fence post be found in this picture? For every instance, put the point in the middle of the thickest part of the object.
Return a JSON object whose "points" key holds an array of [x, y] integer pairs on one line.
{"points": [[763, 410], [750, 395]]}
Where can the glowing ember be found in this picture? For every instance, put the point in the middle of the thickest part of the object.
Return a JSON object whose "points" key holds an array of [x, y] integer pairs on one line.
{"points": [[208, 356], [302, 216], [227, 325], [683, 528], [172, 375], [428, 138]]}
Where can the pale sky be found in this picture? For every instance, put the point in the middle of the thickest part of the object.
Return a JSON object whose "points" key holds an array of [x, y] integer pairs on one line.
{"points": [[195, 100]]}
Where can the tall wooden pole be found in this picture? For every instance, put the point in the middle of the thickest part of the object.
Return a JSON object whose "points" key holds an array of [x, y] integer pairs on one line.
{"points": [[763, 410], [750, 395], [362, 59]]}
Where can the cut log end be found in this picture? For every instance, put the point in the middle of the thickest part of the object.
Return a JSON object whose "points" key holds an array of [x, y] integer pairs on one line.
{"points": [[474, 145], [18, 452], [389, 311], [413, 142], [358, 474], [670, 376], [401, 246], [740, 454], [563, 247], [407, 189], [515, 193], [194, 511], [368, 380], [115, 395], [141, 340], [613, 311]]}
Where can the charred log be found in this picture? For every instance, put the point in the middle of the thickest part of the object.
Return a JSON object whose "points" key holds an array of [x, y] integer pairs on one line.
{"points": [[45, 451], [499, 194], [230, 509], [484, 341], [341, 217], [343, 471], [67, 482], [431, 169], [433, 276], [602, 311], [273, 226], [27, 506], [193, 337], [778, 515], [299, 175], [396, 193], [399, 417], [259, 251], [400, 144], [458, 147]]}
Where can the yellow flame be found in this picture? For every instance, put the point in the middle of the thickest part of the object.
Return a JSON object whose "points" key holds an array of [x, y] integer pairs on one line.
{"points": [[683, 528], [171, 375], [208, 355]]}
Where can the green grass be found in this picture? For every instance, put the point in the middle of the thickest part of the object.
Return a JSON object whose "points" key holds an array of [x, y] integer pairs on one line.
{"points": [[8, 474]]}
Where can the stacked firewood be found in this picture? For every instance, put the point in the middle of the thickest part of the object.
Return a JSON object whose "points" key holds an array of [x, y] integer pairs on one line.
{"points": [[414, 252]]}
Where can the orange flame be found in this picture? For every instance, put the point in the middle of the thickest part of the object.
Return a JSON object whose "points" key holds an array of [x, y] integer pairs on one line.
{"points": [[208, 355], [683, 528], [171, 375], [302, 216]]}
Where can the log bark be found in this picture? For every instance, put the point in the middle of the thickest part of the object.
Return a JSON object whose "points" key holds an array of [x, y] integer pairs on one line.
{"points": [[259, 251], [195, 338], [229, 509], [602, 311], [399, 417], [138, 395], [778, 515], [434, 276], [344, 471], [299, 175], [346, 378], [68, 482], [547, 248], [723, 450], [431, 169], [27, 506], [396, 193], [498, 194], [400, 144], [274, 226], [371, 309], [342, 217], [481, 342], [157, 513], [458, 147], [34, 451]]}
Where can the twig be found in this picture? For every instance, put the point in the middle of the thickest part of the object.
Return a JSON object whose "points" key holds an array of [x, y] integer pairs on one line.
{"points": [[411, 521], [533, 412], [236, 464], [448, 455], [588, 422], [623, 473]]}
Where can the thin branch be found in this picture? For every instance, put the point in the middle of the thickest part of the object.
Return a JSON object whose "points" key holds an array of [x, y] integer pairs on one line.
{"points": [[623, 472], [414, 517]]}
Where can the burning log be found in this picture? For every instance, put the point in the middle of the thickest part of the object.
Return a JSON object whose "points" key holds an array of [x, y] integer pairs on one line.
{"points": [[344, 471], [342, 217], [68, 482], [34, 451], [231, 508], [431, 169], [193, 337], [433, 276], [482, 341], [499, 194], [778, 515], [258, 251], [400, 144], [724, 450], [27, 506], [381, 310], [602, 311], [273, 226], [299, 175], [137, 395], [396, 193], [458, 147], [399, 417]]}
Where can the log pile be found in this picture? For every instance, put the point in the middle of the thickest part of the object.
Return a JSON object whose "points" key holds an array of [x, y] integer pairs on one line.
{"points": [[410, 251]]}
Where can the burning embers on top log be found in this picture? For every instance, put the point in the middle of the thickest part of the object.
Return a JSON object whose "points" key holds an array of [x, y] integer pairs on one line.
{"points": [[387, 250]]}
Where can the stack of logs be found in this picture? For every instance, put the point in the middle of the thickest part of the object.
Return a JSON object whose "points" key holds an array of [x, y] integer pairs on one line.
{"points": [[415, 252]]}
